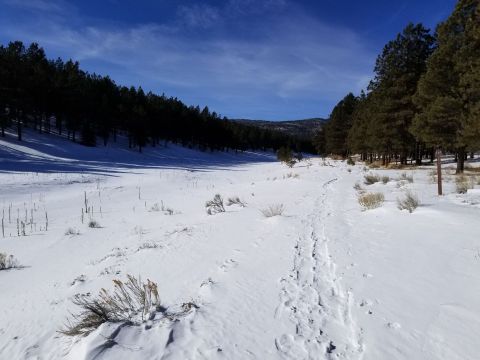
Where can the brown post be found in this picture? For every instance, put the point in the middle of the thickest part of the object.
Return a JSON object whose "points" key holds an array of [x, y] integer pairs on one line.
{"points": [[439, 170]]}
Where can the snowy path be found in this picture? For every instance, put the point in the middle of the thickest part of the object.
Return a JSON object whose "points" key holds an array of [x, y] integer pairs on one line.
{"points": [[317, 303]]}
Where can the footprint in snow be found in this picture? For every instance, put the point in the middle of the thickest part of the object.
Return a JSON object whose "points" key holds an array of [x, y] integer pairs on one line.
{"points": [[228, 264]]}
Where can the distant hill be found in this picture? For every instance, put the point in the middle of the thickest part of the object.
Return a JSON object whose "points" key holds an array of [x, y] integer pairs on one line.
{"points": [[300, 128]]}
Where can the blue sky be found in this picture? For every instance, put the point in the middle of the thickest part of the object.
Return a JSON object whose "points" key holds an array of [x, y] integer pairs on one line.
{"points": [[258, 59]]}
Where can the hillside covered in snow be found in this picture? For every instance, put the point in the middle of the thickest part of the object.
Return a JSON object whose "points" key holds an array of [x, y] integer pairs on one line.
{"points": [[293, 268]]}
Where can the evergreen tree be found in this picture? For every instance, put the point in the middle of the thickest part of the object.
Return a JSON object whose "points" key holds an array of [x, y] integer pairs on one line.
{"points": [[398, 70], [340, 122], [448, 93]]}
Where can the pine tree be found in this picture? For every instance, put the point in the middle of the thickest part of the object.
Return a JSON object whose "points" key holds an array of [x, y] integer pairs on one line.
{"points": [[340, 122], [448, 93], [398, 70]]}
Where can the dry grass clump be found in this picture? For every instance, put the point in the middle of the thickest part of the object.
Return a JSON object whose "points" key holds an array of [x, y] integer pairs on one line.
{"points": [[462, 184], [404, 176], [94, 224], [470, 168], [291, 176], [371, 179], [8, 262], [358, 187], [410, 202], [215, 206], [371, 200], [235, 200], [273, 210], [375, 165], [131, 302], [166, 210], [385, 179]]}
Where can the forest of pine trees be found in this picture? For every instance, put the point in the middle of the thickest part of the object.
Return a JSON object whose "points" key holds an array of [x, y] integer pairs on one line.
{"points": [[425, 96], [54, 96]]}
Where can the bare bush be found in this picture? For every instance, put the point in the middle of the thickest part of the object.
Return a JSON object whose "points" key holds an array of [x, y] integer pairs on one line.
{"points": [[72, 231], [94, 224], [131, 302], [273, 210], [291, 175], [410, 202], [358, 187], [371, 179], [166, 210], [371, 200], [385, 179], [462, 184], [155, 207], [8, 262], [404, 176], [215, 206], [235, 200]]}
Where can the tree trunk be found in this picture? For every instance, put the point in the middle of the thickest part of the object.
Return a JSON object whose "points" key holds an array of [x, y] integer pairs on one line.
{"points": [[460, 161]]}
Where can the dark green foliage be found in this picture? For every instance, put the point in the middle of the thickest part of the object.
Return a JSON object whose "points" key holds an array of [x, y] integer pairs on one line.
{"points": [[340, 122], [285, 155], [448, 95], [45, 94]]}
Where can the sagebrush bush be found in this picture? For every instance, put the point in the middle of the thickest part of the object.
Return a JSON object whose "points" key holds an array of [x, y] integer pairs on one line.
{"points": [[371, 179], [358, 187], [371, 200], [462, 184], [94, 224], [72, 231], [132, 302], [7, 262], [404, 176], [215, 205], [235, 200], [291, 175], [273, 210], [410, 202], [385, 179]]}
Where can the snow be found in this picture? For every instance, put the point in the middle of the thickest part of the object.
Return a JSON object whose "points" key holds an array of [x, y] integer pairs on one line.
{"points": [[325, 280]]}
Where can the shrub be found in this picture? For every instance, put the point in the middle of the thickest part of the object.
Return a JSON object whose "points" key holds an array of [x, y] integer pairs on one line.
{"points": [[235, 201], [94, 224], [350, 161], [155, 207], [371, 200], [215, 206], [72, 231], [131, 302], [385, 179], [291, 175], [162, 208], [7, 262], [284, 154], [404, 176], [410, 202], [462, 184], [358, 187], [371, 179], [273, 210]]}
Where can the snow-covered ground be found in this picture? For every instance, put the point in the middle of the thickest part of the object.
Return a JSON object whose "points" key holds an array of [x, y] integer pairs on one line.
{"points": [[325, 280]]}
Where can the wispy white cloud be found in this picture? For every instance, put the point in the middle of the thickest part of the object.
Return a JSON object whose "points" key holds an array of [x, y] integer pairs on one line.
{"points": [[296, 63], [198, 15]]}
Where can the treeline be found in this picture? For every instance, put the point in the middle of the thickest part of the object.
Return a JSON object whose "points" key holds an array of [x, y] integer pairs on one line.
{"points": [[57, 96], [425, 96]]}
